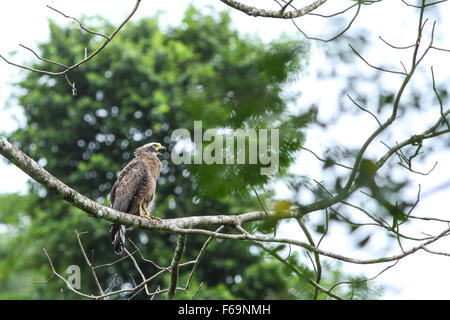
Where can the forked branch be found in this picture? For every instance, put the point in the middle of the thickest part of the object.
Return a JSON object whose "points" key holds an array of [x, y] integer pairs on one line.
{"points": [[66, 69]]}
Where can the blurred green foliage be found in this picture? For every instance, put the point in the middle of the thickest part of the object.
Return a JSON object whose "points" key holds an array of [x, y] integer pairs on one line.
{"points": [[146, 83]]}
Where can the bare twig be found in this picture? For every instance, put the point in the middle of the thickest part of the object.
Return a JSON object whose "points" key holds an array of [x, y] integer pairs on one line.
{"points": [[198, 258], [375, 67], [69, 285], [364, 280], [148, 260], [86, 58], [42, 59], [197, 291], [441, 107], [318, 267], [344, 30], [114, 262], [79, 23], [111, 284], [138, 269], [88, 262], [260, 201], [364, 109], [396, 47], [326, 160]]}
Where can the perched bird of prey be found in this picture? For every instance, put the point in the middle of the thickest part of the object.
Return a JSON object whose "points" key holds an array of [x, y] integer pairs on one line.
{"points": [[134, 190]]}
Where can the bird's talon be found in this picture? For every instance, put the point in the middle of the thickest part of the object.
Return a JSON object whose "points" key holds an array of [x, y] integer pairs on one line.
{"points": [[147, 216]]}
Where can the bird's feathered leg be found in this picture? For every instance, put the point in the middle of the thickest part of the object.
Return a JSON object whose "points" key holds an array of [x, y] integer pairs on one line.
{"points": [[144, 213]]}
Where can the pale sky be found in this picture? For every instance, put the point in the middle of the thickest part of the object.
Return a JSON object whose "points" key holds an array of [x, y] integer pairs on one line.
{"points": [[419, 276]]}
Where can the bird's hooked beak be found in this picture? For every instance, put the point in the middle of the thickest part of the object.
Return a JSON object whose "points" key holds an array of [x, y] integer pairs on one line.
{"points": [[159, 149]]}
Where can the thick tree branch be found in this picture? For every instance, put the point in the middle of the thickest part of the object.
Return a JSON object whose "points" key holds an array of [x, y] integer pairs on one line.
{"points": [[282, 14], [181, 244], [35, 171]]}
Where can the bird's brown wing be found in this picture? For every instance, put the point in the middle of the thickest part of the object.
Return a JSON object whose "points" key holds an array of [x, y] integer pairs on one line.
{"points": [[126, 189]]}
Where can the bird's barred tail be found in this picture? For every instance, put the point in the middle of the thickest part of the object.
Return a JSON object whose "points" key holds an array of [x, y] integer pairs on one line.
{"points": [[118, 237]]}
